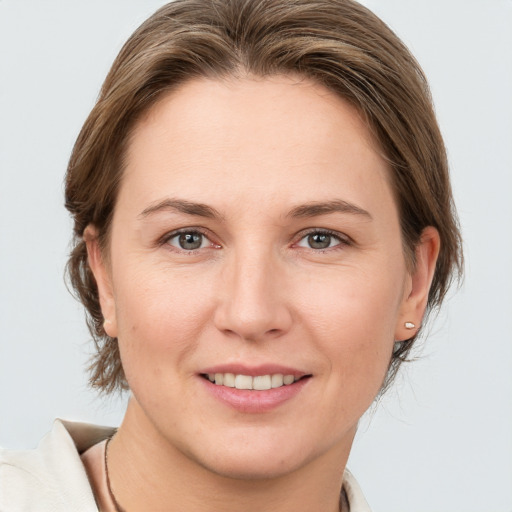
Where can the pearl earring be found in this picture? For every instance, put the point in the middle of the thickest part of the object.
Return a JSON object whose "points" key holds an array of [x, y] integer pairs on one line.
{"points": [[409, 325]]}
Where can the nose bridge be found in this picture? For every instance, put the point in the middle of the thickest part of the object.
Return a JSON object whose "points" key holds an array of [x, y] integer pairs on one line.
{"points": [[252, 305]]}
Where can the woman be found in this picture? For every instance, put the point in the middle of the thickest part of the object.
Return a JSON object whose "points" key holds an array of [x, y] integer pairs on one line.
{"points": [[263, 217]]}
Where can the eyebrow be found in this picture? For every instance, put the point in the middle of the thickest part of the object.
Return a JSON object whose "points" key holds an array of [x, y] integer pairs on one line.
{"points": [[179, 205], [315, 209], [312, 209]]}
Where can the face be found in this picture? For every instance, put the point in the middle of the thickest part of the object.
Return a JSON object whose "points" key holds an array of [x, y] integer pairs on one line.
{"points": [[256, 243]]}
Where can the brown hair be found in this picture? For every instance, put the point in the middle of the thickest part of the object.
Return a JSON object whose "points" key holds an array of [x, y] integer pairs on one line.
{"points": [[337, 43]]}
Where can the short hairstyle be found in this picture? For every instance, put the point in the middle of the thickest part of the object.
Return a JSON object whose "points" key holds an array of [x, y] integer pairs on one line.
{"points": [[337, 43]]}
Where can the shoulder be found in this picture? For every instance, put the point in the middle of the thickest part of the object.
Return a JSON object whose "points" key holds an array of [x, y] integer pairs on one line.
{"points": [[354, 493], [52, 476]]}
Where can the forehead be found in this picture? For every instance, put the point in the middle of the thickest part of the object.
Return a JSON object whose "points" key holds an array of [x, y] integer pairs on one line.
{"points": [[279, 137]]}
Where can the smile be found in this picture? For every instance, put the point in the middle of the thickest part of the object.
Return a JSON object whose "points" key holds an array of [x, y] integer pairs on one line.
{"points": [[257, 382], [253, 390]]}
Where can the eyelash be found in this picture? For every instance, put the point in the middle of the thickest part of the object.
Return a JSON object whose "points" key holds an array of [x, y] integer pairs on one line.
{"points": [[186, 231], [343, 240]]}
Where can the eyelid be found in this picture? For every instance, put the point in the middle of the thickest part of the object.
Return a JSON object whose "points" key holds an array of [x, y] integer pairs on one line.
{"points": [[192, 229], [344, 240]]}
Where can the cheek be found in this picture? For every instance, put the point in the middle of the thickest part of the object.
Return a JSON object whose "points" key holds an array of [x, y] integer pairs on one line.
{"points": [[353, 303], [160, 319], [352, 318]]}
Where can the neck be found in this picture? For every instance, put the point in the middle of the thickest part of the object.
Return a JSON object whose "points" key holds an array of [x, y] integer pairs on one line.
{"points": [[147, 472]]}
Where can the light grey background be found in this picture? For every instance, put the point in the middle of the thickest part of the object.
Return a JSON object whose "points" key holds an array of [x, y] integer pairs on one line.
{"points": [[441, 440]]}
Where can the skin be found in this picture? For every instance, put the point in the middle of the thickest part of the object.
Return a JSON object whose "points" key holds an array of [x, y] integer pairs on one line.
{"points": [[256, 292]]}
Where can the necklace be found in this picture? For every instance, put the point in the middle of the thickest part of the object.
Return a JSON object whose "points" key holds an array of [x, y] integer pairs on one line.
{"points": [[110, 492], [343, 496]]}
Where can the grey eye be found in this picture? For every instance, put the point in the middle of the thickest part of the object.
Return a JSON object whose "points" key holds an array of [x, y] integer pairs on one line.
{"points": [[188, 241], [319, 240]]}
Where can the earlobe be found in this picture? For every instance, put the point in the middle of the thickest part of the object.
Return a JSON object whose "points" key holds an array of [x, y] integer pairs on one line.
{"points": [[103, 279], [415, 301]]}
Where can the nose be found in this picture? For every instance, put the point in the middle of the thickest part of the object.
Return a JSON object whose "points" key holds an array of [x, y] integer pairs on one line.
{"points": [[252, 302]]}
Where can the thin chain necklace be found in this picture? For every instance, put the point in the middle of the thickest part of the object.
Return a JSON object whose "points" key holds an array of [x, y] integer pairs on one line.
{"points": [[120, 509], [110, 491]]}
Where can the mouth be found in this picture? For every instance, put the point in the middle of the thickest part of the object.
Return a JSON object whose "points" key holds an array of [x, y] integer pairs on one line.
{"points": [[255, 383], [254, 389]]}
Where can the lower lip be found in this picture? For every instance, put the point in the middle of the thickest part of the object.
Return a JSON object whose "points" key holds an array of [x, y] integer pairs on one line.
{"points": [[252, 401]]}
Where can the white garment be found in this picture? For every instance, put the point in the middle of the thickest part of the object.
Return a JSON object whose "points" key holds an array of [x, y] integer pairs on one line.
{"points": [[52, 478]]}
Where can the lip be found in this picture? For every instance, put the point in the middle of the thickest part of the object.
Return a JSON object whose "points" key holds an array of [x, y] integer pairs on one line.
{"points": [[253, 401], [254, 371]]}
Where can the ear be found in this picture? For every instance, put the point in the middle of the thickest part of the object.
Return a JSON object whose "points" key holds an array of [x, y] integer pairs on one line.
{"points": [[101, 272], [418, 284]]}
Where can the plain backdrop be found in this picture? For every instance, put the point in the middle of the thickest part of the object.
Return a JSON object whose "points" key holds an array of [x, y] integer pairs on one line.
{"points": [[441, 440]]}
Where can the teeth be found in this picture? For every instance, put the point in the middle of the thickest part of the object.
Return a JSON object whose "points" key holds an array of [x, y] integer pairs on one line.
{"points": [[229, 380], [258, 383], [277, 380], [288, 379], [262, 382], [243, 382]]}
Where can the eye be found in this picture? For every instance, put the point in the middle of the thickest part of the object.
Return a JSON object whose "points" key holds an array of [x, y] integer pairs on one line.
{"points": [[188, 240], [321, 240]]}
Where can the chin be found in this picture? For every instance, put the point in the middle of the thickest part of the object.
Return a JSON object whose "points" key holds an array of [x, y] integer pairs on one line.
{"points": [[243, 467], [249, 456]]}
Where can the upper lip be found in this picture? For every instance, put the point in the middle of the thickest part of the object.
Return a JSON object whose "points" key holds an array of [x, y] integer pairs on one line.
{"points": [[254, 371]]}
